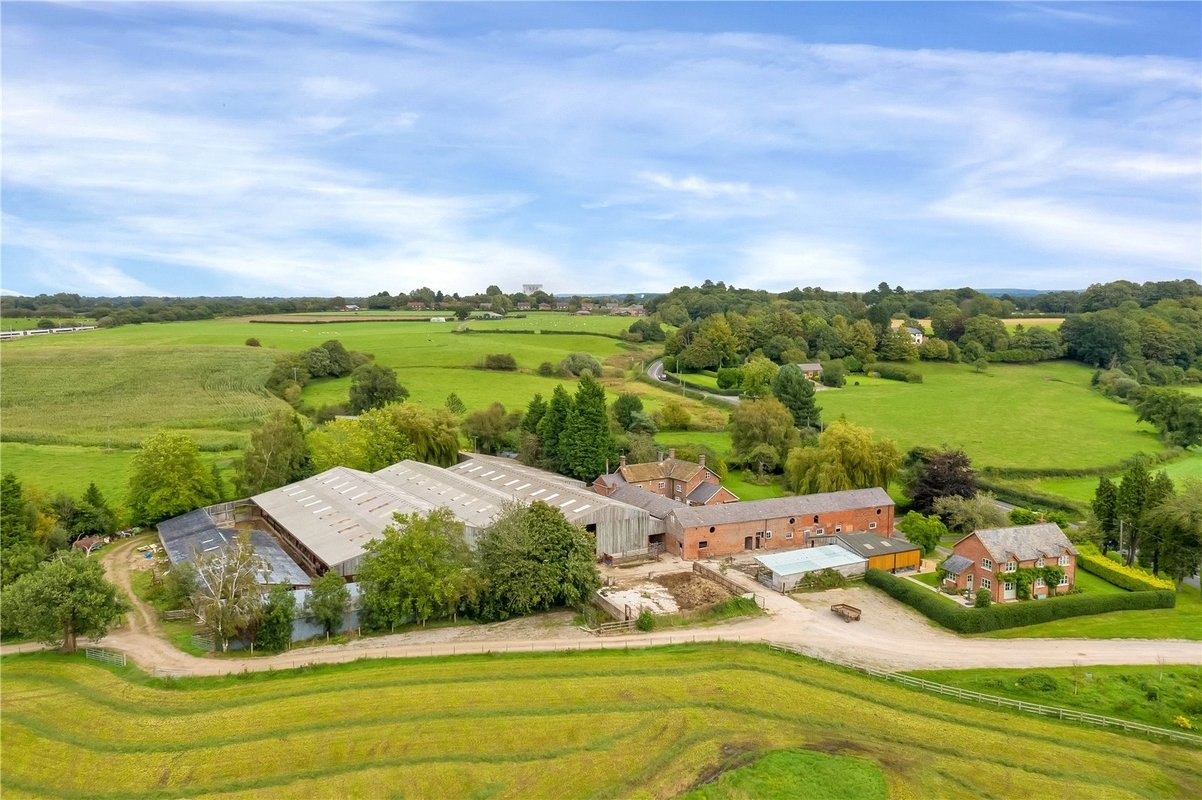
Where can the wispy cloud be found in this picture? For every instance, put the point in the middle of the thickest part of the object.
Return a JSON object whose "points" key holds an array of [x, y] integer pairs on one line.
{"points": [[348, 149]]}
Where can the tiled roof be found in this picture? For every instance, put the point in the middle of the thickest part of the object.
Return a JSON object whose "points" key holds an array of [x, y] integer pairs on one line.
{"points": [[672, 468], [1025, 542], [776, 507], [654, 504], [704, 491], [957, 564]]}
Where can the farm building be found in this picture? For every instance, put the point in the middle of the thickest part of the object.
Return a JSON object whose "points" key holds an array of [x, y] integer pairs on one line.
{"points": [[327, 519], [689, 482], [780, 523], [784, 571], [812, 370], [890, 553], [988, 559], [189, 535]]}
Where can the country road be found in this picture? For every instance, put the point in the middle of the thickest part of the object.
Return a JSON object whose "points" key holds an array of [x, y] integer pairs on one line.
{"points": [[655, 370], [890, 636]]}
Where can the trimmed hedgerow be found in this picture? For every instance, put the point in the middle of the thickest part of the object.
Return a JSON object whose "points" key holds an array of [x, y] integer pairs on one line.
{"points": [[999, 616], [1132, 578], [893, 372]]}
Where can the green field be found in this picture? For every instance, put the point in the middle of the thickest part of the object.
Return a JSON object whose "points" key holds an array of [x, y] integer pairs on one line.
{"points": [[797, 773], [1181, 622], [1154, 695], [1021, 416], [650, 723], [1082, 489]]}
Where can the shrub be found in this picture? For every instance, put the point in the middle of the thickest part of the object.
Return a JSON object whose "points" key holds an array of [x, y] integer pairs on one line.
{"points": [[892, 372], [646, 620], [673, 417], [500, 361], [984, 599], [1038, 682], [1131, 578], [997, 617], [729, 377], [833, 374], [546, 369], [253, 342], [578, 363]]}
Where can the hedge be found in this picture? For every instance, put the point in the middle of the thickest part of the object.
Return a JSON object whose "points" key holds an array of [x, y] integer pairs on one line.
{"points": [[1132, 578], [892, 372], [1010, 615]]}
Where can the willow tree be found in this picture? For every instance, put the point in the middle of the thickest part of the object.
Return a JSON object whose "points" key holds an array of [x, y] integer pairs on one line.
{"points": [[846, 457]]}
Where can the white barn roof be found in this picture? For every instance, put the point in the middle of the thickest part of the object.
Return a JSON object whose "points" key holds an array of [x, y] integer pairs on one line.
{"points": [[809, 559]]}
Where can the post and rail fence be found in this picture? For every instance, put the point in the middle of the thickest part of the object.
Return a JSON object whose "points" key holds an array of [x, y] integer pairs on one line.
{"points": [[726, 583], [106, 656]]}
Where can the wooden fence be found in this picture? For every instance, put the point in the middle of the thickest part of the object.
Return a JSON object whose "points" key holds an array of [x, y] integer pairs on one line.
{"points": [[202, 643], [107, 656], [177, 613], [1069, 714]]}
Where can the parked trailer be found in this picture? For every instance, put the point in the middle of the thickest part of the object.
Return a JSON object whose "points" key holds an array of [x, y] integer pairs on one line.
{"points": [[849, 613]]}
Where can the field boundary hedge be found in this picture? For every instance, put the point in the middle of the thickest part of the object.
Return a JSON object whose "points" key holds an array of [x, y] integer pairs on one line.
{"points": [[999, 616], [1030, 498], [1131, 578], [701, 388], [541, 332], [1163, 457]]}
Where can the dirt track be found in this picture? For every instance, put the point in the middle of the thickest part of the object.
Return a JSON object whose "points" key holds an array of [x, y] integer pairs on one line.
{"points": [[889, 636]]}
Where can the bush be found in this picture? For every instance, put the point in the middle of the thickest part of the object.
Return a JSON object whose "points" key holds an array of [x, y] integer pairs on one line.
{"points": [[997, 617], [853, 364], [833, 374], [1038, 682], [500, 361], [729, 377], [646, 620], [673, 417], [984, 599], [546, 369], [892, 372], [1131, 578], [253, 342], [578, 363]]}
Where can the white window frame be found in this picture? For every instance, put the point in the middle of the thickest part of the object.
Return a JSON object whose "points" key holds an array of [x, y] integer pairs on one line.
{"points": [[1039, 562], [987, 563], [789, 534], [1064, 561], [838, 529], [1008, 586], [872, 526], [1011, 566], [767, 534], [1039, 583], [661, 485], [986, 583], [703, 544], [1063, 580], [820, 531]]}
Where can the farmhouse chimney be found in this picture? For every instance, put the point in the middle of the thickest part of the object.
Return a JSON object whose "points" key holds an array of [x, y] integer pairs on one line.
{"points": [[621, 461], [659, 456], [701, 460], [671, 453]]}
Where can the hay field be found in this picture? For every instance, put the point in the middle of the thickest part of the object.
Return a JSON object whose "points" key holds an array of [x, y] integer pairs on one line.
{"points": [[649, 723]]}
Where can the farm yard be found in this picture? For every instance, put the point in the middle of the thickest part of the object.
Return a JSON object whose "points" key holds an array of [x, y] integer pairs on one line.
{"points": [[591, 724]]}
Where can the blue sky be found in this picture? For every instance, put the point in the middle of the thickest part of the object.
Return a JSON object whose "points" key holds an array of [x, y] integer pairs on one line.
{"points": [[304, 148]]}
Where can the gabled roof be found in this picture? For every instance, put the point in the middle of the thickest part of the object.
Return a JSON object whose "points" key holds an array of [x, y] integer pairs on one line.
{"points": [[811, 366], [1025, 542], [809, 559], [670, 468], [654, 504], [957, 564], [706, 490], [777, 507]]}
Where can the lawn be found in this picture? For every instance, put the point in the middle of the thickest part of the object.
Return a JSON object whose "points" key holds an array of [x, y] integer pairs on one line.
{"points": [[586, 724], [1182, 622], [1029, 416], [1154, 695], [1082, 489], [797, 773]]}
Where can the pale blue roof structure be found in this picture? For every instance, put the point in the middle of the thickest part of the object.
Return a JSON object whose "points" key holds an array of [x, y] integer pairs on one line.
{"points": [[809, 559]]}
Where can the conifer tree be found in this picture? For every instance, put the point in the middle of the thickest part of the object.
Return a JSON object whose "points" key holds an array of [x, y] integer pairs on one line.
{"points": [[792, 388], [551, 427], [586, 443]]}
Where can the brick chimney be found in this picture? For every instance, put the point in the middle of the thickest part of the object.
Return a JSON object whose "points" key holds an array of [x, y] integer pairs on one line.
{"points": [[701, 459], [671, 453], [659, 456], [621, 461]]}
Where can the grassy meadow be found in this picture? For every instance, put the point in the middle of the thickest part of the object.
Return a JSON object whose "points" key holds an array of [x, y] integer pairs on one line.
{"points": [[1184, 621], [587, 724], [1154, 695], [1019, 416]]}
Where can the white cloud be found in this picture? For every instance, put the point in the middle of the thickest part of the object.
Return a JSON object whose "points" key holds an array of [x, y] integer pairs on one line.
{"points": [[336, 89]]}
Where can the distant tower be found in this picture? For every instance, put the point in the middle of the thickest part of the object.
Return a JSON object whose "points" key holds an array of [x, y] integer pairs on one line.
{"points": [[531, 288]]}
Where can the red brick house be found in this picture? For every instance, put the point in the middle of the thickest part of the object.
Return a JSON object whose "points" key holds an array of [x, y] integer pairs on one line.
{"points": [[690, 482], [780, 523], [981, 558]]}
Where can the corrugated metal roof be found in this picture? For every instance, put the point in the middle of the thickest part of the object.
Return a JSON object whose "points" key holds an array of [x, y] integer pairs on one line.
{"points": [[809, 559], [776, 507], [195, 533]]}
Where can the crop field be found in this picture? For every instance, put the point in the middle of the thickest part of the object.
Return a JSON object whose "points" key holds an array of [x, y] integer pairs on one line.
{"points": [[588, 724], [1020, 416], [1155, 695]]}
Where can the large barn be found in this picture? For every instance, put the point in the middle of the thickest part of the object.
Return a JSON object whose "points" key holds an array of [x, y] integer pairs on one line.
{"points": [[326, 520]]}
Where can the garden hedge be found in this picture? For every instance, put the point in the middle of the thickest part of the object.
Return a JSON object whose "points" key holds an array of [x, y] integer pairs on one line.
{"points": [[892, 372], [1132, 578], [1010, 615]]}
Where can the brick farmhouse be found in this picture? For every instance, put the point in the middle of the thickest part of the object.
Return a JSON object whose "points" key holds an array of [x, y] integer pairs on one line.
{"points": [[980, 558], [692, 483]]}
